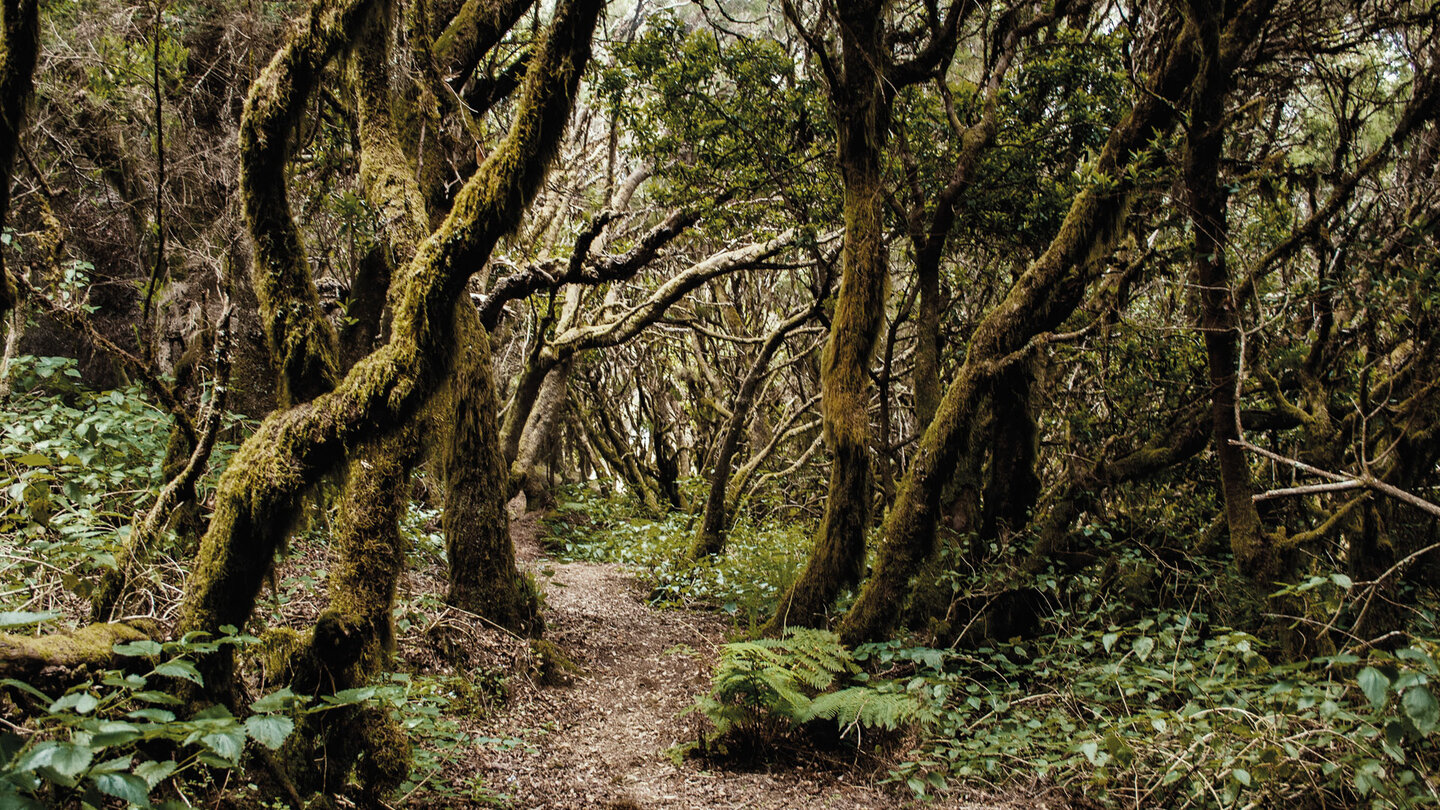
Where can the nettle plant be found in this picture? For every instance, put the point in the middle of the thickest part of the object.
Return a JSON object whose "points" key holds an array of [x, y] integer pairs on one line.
{"points": [[118, 734]]}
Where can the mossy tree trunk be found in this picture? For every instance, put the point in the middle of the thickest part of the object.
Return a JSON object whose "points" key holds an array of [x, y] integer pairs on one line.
{"points": [[1041, 300], [861, 101], [20, 28], [260, 492], [483, 576]]}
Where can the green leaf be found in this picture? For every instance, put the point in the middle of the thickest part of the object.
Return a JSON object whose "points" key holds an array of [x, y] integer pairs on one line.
{"points": [[274, 702], [144, 648], [69, 759], [269, 730], [1242, 776], [180, 668], [24, 618], [34, 460], [1422, 709], [1143, 646], [1108, 640], [155, 772], [226, 744], [124, 786], [153, 715], [1343, 581], [348, 697], [1374, 684]]}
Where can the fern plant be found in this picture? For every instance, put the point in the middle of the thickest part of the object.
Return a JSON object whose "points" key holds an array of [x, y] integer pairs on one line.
{"points": [[766, 687]]}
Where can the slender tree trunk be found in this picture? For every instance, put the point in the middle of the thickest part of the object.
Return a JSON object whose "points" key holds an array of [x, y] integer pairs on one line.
{"points": [[1041, 299], [710, 539], [1255, 553]]}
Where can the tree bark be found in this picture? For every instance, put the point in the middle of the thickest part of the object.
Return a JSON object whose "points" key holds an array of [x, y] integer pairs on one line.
{"points": [[861, 101]]}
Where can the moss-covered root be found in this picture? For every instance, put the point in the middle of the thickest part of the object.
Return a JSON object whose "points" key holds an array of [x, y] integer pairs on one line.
{"points": [[20, 28], [56, 659], [483, 577], [302, 341], [261, 489]]}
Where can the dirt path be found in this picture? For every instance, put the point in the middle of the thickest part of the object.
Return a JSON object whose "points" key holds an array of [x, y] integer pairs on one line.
{"points": [[601, 741]]}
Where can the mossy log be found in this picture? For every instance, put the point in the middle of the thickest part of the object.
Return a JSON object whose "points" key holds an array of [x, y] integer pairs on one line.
{"points": [[260, 492], [56, 659]]}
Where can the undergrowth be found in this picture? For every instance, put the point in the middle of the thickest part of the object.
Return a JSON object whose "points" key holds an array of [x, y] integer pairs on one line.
{"points": [[746, 580]]}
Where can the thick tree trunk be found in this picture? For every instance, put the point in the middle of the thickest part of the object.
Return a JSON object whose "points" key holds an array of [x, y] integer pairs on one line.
{"points": [[861, 103], [483, 576], [260, 492]]}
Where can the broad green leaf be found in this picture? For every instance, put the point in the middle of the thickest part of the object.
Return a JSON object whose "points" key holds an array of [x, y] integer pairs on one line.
{"points": [[269, 730], [144, 648], [1108, 640], [1374, 684], [1342, 580], [226, 744], [1242, 776], [1143, 646], [180, 668], [274, 702], [124, 786], [155, 772], [1422, 709], [69, 759], [34, 460]]}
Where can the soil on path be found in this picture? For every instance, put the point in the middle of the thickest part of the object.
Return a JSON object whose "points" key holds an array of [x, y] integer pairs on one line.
{"points": [[603, 740]]}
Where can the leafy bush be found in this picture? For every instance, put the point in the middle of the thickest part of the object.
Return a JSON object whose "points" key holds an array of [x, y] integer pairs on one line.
{"points": [[103, 738]]}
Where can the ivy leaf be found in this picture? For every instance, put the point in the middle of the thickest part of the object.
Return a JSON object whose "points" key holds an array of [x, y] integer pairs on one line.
{"points": [[1374, 684], [1422, 709], [269, 730], [1108, 640]]}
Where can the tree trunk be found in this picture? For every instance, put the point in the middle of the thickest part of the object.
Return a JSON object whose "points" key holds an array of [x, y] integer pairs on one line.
{"points": [[710, 539], [1041, 299], [1255, 553], [259, 494], [21, 33], [483, 576], [861, 103]]}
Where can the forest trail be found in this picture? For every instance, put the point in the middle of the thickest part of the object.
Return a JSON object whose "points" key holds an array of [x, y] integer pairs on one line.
{"points": [[601, 740]]}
